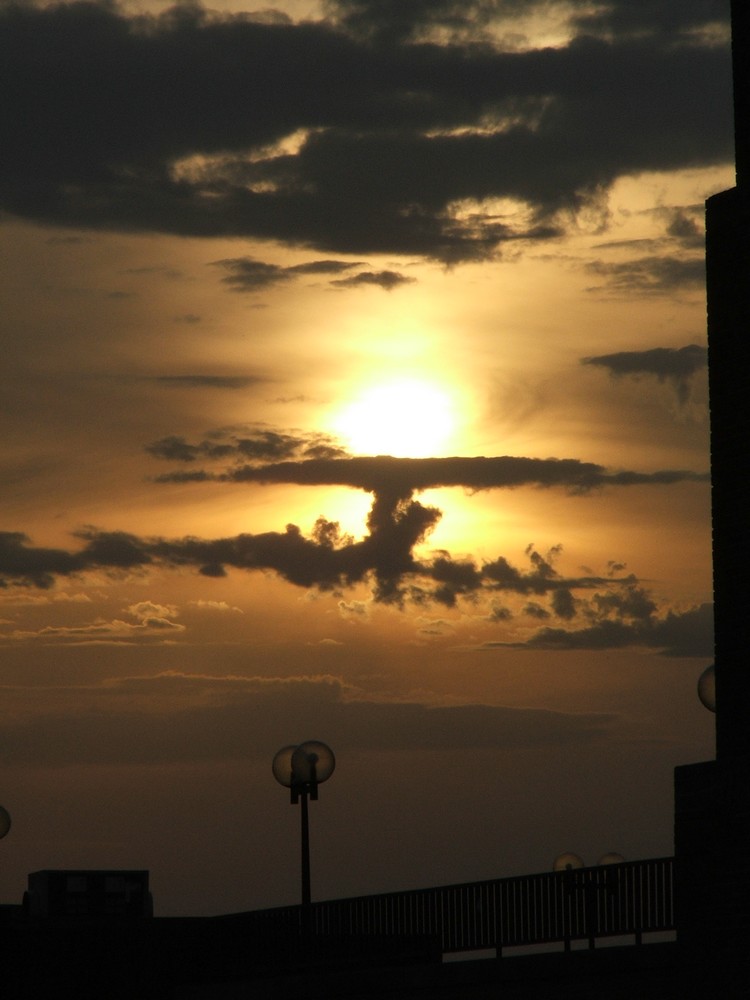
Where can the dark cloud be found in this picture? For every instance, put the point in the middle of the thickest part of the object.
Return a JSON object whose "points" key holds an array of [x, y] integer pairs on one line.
{"points": [[606, 634], [563, 603], [678, 634], [650, 275], [667, 364], [402, 476], [323, 267], [256, 444], [663, 362], [686, 634], [175, 449], [326, 560], [38, 567], [542, 578], [354, 136], [249, 275], [322, 462], [387, 280], [397, 522], [675, 21], [453, 578], [329, 560], [534, 610], [601, 611], [617, 618], [112, 550], [499, 613], [666, 477], [685, 227], [393, 20], [632, 603], [33, 567], [504, 576]]}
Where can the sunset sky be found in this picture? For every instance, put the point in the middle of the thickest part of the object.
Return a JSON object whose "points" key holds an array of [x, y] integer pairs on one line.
{"points": [[354, 389]]}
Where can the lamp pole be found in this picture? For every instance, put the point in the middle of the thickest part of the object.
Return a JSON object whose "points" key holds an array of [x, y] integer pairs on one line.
{"points": [[305, 854], [301, 768]]}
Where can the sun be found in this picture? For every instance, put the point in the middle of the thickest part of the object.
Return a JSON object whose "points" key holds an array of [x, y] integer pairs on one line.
{"points": [[403, 417]]}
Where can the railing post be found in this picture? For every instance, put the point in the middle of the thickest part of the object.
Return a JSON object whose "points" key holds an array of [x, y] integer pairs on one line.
{"points": [[590, 903]]}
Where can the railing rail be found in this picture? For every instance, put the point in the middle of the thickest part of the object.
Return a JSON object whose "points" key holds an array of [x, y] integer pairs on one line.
{"points": [[630, 898]]}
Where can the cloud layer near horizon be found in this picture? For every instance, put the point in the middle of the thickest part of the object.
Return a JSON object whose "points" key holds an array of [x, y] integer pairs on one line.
{"points": [[206, 718]]}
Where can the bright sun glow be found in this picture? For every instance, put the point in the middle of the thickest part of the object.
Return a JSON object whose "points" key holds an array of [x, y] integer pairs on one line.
{"points": [[407, 418]]}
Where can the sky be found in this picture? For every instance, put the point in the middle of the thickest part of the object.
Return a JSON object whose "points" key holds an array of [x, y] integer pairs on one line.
{"points": [[353, 389]]}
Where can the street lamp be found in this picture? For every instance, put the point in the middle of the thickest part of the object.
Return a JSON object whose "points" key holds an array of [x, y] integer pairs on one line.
{"points": [[707, 688], [567, 861], [611, 858], [4, 822], [301, 768]]}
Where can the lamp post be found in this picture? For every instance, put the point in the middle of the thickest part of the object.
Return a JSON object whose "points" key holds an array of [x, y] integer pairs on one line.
{"points": [[707, 688], [4, 822], [301, 768]]}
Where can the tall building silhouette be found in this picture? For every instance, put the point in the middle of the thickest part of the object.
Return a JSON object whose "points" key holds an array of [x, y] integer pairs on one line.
{"points": [[728, 299], [712, 800]]}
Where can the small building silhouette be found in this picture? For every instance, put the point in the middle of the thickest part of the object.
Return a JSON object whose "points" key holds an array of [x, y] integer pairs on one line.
{"points": [[88, 893]]}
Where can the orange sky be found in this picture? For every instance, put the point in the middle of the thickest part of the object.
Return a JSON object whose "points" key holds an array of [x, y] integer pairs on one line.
{"points": [[191, 365]]}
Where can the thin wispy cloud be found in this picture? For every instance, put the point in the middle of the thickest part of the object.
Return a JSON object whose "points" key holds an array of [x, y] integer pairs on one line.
{"points": [[206, 381], [248, 275], [387, 280], [649, 275]]}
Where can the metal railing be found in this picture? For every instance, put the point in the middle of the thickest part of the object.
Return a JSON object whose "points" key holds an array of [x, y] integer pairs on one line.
{"points": [[631, 898]]}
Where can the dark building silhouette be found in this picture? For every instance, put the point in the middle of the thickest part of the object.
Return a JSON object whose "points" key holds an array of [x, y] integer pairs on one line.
{"points": [[88, 893], [712, 800], [728, 299]]}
